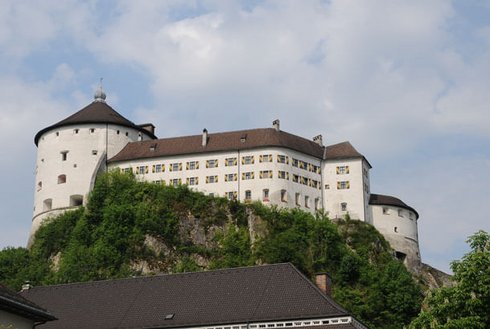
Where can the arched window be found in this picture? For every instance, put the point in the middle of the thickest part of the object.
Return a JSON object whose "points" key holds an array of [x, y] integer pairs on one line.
{"points": [[62, 179], [76, 200], [47, 204]]}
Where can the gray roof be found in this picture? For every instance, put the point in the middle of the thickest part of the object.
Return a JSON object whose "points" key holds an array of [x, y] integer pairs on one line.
{"points": [[386, 200], [233, 141], [12, 302], [95, 112], [241, 295]]}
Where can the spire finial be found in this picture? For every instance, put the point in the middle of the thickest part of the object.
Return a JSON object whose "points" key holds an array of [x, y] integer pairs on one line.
{"points": [[99, 95]]}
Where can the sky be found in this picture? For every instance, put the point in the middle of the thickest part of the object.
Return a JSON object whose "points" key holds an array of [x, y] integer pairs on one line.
{"points": [[406, 82]]}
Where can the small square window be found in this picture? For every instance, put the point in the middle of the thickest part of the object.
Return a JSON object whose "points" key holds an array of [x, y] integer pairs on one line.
{"points": [[343, 206], [94, 152]]}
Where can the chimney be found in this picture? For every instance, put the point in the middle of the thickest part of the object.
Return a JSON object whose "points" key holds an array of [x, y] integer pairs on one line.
{"points": [[318, 139], [26, 286], [275, 124], [204, 137], [149, 127], [324, 283]]}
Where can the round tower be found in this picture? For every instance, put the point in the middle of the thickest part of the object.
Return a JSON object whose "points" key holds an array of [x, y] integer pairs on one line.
{"points": [[398, 223], [72, 152]]}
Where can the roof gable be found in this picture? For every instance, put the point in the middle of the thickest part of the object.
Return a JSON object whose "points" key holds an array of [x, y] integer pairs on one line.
{"points": [[260, 293]]}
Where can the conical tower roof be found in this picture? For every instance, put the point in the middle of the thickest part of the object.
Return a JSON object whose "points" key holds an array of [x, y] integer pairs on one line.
{"points": [[96, 112]]}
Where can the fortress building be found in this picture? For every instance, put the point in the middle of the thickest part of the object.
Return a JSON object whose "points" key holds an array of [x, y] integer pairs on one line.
{"points": [[267, 165]]}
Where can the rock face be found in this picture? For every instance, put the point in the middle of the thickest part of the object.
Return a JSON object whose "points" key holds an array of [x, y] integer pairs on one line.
{"points": [[434, 278]]}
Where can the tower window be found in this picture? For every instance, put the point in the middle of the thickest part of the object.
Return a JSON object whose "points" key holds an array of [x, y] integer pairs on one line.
{"points": [[94, 152], [39, 186], [61, 179], [57, 133], [395, 229], [75, 131], [47, 204], [127, 134], [117, 132], [92, 130], [64, 155], [76, 200]]}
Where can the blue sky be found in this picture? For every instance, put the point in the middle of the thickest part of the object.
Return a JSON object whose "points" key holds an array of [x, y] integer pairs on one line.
{"points": [[406, 82]]}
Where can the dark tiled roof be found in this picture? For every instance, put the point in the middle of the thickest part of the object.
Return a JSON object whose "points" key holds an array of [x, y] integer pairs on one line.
{"points": [[251, 294], [343, 150], [386, 200], [231, 141], [95, 112], [14, 303]]}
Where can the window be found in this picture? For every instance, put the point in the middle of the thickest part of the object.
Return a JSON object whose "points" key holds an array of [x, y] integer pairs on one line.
{"points": [[231, 177], [395, 229], [39, 186], [158, 168], [265, 174], [211, 179], [343, 206], [141, 170], [284, 196], [159, 182], [140, 137], [295, 162], [317, 203], [342, 170], [92, 130], [386, 211], [265, 158], [327, 186], [296, 199], [229, 162], [76, 200], [61, 179], [248, 175], [283, 174], [127, 134], [94, 152], [248, 196], [265, 195], [314, 183], [295, 178], [249, 159], [117, 132], [282, 159], [304, 180], [192, 165], [400, 213], [75, 131], [47, 204], [128, 170], [343, 185], [212, 163], [175, 182], [57, 133], [313, 168], [307, 201], [302, 164], [191, 181], [232, 195], [175, 166], [64, 155]]}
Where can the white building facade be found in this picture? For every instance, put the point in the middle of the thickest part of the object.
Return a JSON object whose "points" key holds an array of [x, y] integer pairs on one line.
{"points": [[266, 165]]}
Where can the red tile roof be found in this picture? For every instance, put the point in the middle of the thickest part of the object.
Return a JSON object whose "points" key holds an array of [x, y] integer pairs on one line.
{"points": [[241, 295]]}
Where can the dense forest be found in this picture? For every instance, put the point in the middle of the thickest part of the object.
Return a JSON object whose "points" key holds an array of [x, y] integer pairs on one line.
{"points": [[133, 228]]}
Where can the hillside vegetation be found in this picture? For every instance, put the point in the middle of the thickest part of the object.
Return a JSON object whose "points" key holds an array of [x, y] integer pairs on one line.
{"points": [[137, 228]]}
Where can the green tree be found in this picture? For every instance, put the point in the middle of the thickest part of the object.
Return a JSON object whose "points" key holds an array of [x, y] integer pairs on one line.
{"points": [[467, 303]]}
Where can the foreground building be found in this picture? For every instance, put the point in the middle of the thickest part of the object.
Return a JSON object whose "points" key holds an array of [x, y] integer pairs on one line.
{"points": [[268, 296], [267, 165], [20, 313]]}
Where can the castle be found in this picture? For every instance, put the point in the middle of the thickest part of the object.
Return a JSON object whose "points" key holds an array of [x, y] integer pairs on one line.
{"points": [[267, 165]]}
